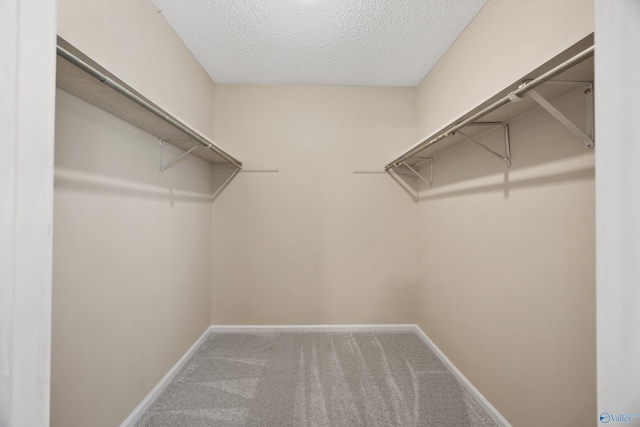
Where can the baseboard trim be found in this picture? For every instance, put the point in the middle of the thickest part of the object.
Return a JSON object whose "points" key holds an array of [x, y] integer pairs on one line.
{"points": [[475, 393], [146, 403], [313, 328]]}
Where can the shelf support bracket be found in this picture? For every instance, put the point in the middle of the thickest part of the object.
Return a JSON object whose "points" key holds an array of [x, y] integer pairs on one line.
{"points": [[428, 181], [163, 168], [586, 138], [507, 145]]}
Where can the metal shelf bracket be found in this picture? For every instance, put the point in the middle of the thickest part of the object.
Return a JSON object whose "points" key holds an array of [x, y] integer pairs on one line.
{"points": [[163, 168], [507, 144], [415, 172], [586, 137]]}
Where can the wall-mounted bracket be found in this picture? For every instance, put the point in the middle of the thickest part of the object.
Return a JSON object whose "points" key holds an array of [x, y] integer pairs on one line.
{"points": [[415, 172], [507, 144], [586, 137], [163, 168]]}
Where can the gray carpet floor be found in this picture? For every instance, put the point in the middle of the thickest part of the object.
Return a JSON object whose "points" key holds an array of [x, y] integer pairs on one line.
{"points": [[315, 379]]}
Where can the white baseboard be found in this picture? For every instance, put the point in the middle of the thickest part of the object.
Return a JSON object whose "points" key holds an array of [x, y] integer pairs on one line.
{"points": [[475, 393], [137, 413], [146, 403], [313, 328]]}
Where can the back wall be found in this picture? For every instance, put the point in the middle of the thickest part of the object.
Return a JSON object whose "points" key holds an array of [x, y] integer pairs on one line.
{"points": [[314, 243]]}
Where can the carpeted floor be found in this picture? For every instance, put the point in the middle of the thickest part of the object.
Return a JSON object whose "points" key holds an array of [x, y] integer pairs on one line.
{"points": [[315, 379]]}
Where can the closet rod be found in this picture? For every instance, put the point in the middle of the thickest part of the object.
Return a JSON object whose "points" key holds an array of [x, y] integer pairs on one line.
{"points": [[146, 104], [514, 96]]}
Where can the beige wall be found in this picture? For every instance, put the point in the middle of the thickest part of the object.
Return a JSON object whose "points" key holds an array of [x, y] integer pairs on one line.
{"points": [[506, 256], [132, 250], [131, 271], [507, 276], [132, 40], [314, 243]]}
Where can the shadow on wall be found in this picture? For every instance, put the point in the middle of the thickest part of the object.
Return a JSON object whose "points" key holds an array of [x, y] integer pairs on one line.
{"points": [[222, 177], [95, 151], [505, 187], [69, 179], [545, 156], [407, 182]]}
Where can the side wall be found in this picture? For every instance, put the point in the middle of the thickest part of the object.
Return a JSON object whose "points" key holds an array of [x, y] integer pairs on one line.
{"points": [[131, 276], [507, 276], [314, 243], [506, 256], [132, 249]]}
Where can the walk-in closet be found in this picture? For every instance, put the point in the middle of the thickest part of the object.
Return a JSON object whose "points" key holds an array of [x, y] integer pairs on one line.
{"points": [[319, 213]]}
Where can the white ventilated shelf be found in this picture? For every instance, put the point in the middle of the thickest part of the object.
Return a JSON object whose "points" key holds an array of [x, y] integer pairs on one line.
{"points": [[77, 82], [582, 72]]}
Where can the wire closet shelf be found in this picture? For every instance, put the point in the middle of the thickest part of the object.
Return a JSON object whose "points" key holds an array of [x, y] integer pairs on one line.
{"points": [[528, 87], [132, 95]]}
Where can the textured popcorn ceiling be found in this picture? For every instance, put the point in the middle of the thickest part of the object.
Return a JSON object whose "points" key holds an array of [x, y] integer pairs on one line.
{"points": [[321, 42]]}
